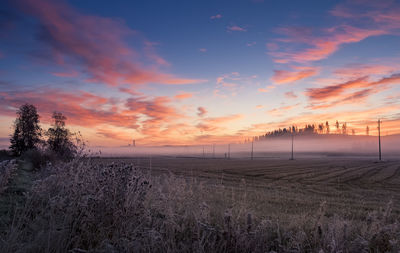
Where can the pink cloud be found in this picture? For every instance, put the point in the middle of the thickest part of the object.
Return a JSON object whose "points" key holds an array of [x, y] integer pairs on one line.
{"points": [[355, 97], [203, 50], [66, 74], [267, 89], [218, 16], [359, 70], [336, 89], [236, 28], [320, 47], [228, 84], [280, 111], [362, 82], [383, 14], [97, 45], [353, 91], [201, 111], [378, 18], [290, 94]]}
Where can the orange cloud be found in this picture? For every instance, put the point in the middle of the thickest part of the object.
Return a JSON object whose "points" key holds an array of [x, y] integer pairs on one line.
{"points": [[284, 76], [335, 90], [146, 116], [214, 124], [282, 110], [115, 135], [325, 93], [267, 89], [183, 95], [355, 97]]}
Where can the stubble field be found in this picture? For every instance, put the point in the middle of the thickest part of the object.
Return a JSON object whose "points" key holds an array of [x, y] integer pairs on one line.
{"points": [[351, 187], [191, 204]]}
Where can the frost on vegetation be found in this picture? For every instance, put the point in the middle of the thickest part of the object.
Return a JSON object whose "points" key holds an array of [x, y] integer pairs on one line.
{"points": [[88, 206]]}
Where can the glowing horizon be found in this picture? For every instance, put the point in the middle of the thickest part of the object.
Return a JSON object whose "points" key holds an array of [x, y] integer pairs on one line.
{"points": [[200, 72]]}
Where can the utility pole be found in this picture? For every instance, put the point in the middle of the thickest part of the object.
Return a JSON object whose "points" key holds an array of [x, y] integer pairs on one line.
{"points": [[229, 151], [292, 158], [213, 150], [252, 148], [379, 139]]}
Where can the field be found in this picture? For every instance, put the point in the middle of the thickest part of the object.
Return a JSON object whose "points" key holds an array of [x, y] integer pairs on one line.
{"points": [[191, 204], [349, 186]]}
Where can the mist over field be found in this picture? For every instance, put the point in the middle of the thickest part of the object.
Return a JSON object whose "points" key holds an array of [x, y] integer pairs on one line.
{"points": [[277, 147]]}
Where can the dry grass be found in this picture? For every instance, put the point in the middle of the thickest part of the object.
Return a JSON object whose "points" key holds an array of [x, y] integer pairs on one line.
{"points": [[92, 206], [7, 171]]}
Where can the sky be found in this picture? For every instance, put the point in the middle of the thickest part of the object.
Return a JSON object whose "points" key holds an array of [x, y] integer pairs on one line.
{"points": [[200, 72]]}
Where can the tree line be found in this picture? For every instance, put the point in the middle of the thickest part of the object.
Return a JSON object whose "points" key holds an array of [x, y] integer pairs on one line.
{"points": [[29, 136], [312, 129]]}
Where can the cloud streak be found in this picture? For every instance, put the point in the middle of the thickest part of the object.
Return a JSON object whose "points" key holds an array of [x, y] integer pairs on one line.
{"points": [[322, 46], [217, 16], [236, 28], [285, 76]]}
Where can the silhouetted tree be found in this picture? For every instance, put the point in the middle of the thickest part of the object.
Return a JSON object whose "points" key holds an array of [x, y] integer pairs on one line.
{"points": [[59, 138], [327, 127], [321, 128], [353, 132], [367, 130], [344, 128], [27, 132], [337, 126]]}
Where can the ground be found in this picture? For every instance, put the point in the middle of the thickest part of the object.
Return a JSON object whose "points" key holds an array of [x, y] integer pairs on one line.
{"points": [[351, 187]]}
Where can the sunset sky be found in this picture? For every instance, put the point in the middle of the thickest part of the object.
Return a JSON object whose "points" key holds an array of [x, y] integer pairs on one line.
{"points": [[191, 72]]}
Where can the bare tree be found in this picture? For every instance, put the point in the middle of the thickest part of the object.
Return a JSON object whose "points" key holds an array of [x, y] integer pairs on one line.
{"points": [[321, 128], [337, 126], [327, 127], [60, 138], [344, 128], [367, 131]]}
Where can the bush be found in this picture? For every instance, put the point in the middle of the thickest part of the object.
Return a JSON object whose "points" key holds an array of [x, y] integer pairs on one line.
{"points": [[35, 159], [5, 155]]}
